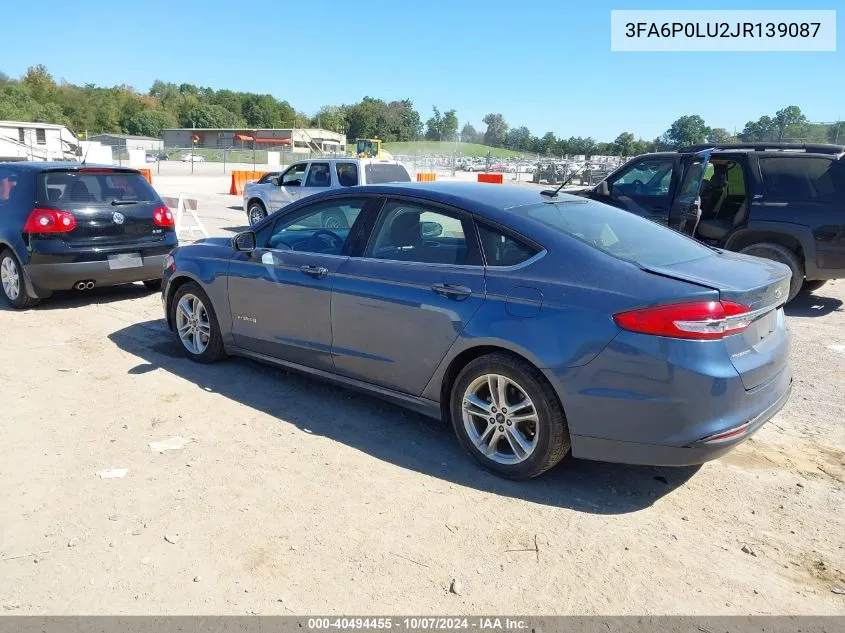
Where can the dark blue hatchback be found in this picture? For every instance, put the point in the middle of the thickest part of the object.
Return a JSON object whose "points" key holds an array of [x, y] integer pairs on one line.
{"points": [[535, 325]]}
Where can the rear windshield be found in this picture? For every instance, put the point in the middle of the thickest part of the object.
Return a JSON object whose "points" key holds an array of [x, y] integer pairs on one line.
{"points": [[71, 188], [378, 173], [618, 233]]}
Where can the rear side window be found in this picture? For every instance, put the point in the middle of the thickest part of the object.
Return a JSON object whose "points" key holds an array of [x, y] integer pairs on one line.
{"points": [[503, 250], [378, 173], [8, 184], [797, 178], [347, 174], [93, 187], [318, 175], [617, 232]]}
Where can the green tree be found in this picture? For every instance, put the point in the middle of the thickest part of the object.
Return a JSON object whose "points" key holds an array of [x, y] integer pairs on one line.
{"points": [[150, 123], [720, 135], [624, 144], [548, 144], [449, 125], [519, 139], [760, 130], [469, 134], [434, 126], [212, 116], [790, 122], [687, 130], [330, 118], [497, 130]]}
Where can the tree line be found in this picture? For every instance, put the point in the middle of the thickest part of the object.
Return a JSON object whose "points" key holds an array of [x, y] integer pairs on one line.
{"points": [[37, 96]]}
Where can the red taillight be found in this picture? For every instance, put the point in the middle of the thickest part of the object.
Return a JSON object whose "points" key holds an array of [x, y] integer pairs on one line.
{"points": [[701, 320], [163, 216], [49, 221]]}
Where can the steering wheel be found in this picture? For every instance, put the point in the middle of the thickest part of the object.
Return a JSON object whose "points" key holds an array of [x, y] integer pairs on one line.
{"points": [[638, 186], [322, 238]]}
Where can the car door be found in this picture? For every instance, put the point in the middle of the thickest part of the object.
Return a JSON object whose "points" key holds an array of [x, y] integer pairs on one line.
{"points": [[280, 293], [397, 310], [319, 178], [290, 184], [644, 187], [685, 211]]}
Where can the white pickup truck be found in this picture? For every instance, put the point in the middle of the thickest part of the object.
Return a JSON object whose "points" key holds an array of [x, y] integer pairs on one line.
{"points": [[307, 177]]}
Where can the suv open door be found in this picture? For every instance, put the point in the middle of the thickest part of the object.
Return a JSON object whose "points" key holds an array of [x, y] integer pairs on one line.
{"points": [[686, 207]]}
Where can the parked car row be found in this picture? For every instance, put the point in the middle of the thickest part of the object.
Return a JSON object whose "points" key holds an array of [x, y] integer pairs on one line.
{"points": [[536, 323]]}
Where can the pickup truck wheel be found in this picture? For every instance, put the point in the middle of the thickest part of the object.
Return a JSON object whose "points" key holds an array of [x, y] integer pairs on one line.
{"points": [[256, 212], [782, 255], [335, 220], [12, 282]]}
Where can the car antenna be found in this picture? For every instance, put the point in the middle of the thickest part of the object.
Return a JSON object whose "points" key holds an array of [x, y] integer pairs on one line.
{"points": [[552, 193]]}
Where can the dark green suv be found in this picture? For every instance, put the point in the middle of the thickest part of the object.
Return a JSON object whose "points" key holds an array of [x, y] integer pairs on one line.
{"points": [[781, 201]]}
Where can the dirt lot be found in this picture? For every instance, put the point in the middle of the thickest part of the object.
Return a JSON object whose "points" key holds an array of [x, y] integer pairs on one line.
{"points": [[297, 497]]}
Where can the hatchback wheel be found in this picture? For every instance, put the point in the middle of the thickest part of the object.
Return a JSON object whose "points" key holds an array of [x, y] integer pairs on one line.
{"points": [[11, 280], [508, 418], [256, 213], [196, 324]]}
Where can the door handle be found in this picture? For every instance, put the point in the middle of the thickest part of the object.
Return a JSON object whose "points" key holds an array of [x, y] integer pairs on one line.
{"points": [[452, 291], [315, 271]]}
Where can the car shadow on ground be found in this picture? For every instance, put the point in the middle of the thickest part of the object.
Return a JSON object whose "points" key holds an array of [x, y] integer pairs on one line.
{"points": [[812, 305], [236, 207], [393, 434], [64, 299], [235, 229]]}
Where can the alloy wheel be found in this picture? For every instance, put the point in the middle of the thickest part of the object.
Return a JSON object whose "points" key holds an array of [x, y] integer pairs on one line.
{"points": [[193, 324], [10, 278], [500, 419], [256, 213]]}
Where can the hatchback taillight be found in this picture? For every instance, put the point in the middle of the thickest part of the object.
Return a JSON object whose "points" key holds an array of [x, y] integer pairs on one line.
{"points": [[163, 216], [49, 221], [702, 320]]}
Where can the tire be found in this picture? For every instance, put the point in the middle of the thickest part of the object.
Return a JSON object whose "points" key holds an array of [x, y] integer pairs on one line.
{"points": [[213, 350], [12, 285], [782, 255], [550, 441], [153, 284], [256, 212], [334, 220], [812, 286]]}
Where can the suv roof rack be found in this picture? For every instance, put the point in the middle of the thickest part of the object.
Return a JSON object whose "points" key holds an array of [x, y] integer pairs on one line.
{"points": [[816, 148]]}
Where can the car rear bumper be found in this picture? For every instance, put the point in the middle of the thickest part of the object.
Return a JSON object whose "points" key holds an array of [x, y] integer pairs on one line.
{"points": [[602, 449], [46, 278]]}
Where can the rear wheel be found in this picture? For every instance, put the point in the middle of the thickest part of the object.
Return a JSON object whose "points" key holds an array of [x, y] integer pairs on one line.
{"points": [[812, 286], [196, 324], [782, 255], [256, 212], [508, 418], [12, 282], [153, 284]]}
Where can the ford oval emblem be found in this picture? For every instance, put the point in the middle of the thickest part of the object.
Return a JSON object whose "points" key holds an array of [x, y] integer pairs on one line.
{"points": [[778, 293], [118, 219]]}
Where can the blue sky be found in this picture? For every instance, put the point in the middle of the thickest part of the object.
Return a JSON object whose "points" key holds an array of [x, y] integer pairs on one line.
{"points": [[543, 64]]}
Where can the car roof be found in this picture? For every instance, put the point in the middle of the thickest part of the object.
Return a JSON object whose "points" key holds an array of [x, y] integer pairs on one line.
{"points": [[62, 166]]}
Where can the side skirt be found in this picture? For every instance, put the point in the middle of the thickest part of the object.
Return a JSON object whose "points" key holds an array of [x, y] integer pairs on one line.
{"points": [[424, 406]]}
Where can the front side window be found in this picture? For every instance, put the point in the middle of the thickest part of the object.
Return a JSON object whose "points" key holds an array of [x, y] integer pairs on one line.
{"points": [[323, 227], [799, 178], [646, 177], [294, 176], [503, 250], [410, 232], [318, 175]]}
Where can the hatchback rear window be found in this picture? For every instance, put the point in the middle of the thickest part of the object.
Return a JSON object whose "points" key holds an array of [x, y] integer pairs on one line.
{"points": [[71, 188], [618, 233], [797, 178], [378, 173]]}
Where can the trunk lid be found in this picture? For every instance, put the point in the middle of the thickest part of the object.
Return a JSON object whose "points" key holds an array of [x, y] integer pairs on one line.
{"points": [[111, 206], [761, 351]]}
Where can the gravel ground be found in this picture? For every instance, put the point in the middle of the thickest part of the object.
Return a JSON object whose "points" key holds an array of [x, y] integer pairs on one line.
{"points": [[292, 496]]}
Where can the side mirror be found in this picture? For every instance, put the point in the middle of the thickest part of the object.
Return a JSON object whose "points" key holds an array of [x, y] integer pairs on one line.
{"points": [[603, 189], [244, 242], [431, 229], [274, 180]]}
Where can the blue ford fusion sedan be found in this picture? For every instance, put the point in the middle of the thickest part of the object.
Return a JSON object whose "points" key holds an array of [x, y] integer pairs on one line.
{"points": [[536, 325]]}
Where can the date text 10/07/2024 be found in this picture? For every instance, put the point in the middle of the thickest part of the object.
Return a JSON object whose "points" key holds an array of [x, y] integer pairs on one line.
{"points": [[419, 624]]}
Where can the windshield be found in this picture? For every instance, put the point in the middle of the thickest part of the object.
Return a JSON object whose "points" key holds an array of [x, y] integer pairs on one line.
{"points": [[618, 233], [367, 147]]}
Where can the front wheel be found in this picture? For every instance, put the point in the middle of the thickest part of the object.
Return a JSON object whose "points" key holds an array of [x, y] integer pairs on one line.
{"points": [[256, 213], [12, 282], [508, 418], [196, 325]]}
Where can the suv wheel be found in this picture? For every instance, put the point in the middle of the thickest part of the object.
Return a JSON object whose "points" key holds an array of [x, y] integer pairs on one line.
{"points": [[12, 282], [782, 255], [508, 418], [256, 213]]}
